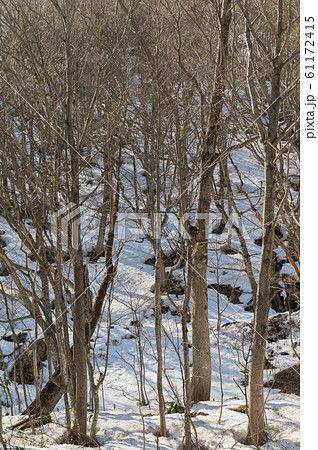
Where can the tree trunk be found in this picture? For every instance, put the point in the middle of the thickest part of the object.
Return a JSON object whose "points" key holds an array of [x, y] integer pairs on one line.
{"points": [[105, 210], [201, 374], [186, 360], [80, 349], [99, 249], [55, 388], [159, 265], [158, 319], [255, 431]]}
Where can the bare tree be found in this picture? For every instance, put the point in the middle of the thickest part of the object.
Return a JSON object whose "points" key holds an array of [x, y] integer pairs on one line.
{"points": [[48, 138], [270, 136], [201, 373]]}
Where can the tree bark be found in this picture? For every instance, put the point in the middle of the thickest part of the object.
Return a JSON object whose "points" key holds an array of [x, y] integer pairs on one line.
{"points": [[159, 265], [186, 359], [255, 433], [55, 387], [158, 320], [256, 413], [201, 373], [80, 350], [105, 207]]}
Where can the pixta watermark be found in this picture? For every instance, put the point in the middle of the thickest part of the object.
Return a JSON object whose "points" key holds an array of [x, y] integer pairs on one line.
{"points": [[66, 224]]}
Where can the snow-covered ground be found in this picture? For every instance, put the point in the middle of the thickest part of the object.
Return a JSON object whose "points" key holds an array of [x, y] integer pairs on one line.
{"points": [[123, 423]]}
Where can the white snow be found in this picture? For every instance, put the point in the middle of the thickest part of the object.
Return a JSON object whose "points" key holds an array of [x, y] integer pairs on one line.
{"points": [[122, 422]]}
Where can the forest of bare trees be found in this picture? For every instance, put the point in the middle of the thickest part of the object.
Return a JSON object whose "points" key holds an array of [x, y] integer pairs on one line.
{"points": [[145, 114]]}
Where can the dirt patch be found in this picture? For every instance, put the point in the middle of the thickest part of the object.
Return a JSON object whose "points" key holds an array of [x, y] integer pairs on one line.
{"points": [[287, 381], [232, 293], [172, 287], [278, 233], [280, 325], [169, 260]]}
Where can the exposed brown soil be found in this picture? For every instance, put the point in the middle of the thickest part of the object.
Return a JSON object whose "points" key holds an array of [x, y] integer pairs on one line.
{"points": [[279, 326], [287, 381], [232, 293]]}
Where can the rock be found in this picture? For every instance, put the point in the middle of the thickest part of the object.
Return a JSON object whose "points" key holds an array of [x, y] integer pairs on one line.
{"points": [[295, 182], [287, 381], [164, 309], [172, 287], [136, 323], [129, 336], [21, 337], [150, 261], [278, 233], [292, 289], [250, 306], [178, 312], [4, 272], [25, 362], [50, 256], [94, 256], [228, 324], [286, 294], [232, 293], [278, 300], [229, 250], [168, 260], [219, 228], [278, 263], [268, 365], [279, 326], [2, 243]]}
